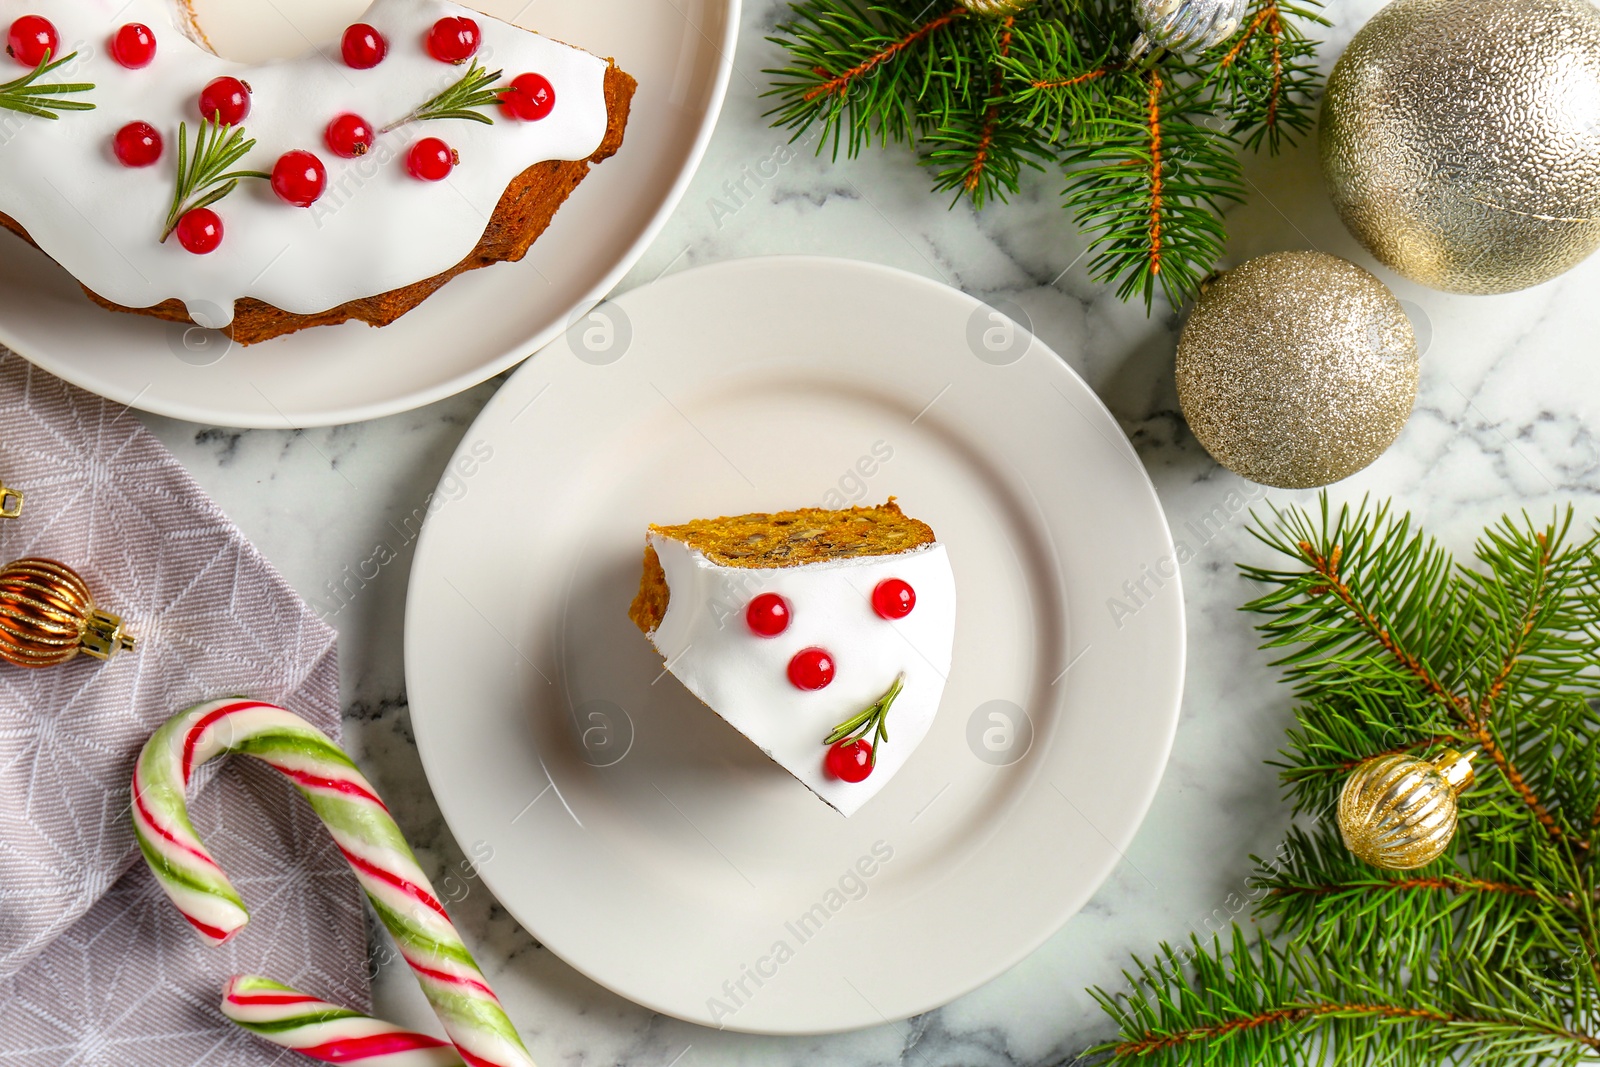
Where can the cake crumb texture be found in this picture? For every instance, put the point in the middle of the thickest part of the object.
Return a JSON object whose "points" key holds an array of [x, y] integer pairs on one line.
{"points": [[779, 539]]}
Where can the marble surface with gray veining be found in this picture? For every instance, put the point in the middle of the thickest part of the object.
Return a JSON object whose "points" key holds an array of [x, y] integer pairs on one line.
{"points": [[1510, 393]]}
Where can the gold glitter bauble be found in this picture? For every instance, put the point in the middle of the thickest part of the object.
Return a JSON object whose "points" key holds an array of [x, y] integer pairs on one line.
{"points": [[1297, 369], [1399, 812], [1461, 140], [48, 616], [1186, 25], [996, 8]]}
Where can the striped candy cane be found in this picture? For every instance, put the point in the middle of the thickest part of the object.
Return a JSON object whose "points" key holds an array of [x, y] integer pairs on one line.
{"points": [[364, 831], [326, 1031]]}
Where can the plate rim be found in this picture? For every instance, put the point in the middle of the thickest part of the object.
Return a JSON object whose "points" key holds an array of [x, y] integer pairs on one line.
{"points": [[1069, 906], [525, 350]]}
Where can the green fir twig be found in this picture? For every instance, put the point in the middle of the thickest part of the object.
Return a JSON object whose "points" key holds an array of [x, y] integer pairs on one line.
{"points": [[1489, 955], [205, 176], [31, 96], [1149, 147], [873, 722], [463, 100]]}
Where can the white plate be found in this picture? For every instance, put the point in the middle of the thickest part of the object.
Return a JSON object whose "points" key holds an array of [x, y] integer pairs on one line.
{"points": [[681, 52], [636, 834]]}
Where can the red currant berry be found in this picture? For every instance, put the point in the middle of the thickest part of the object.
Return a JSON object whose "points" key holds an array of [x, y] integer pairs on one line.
{"points": [[849, 761], [134, 46], [364, 47], [350, 136], [530, 98], [811, 668], [893, 599], [454, 40], [225, 101], [431, 160], [299, 178], [200, 231], [138, 144], [767, 615], [32, 39]]}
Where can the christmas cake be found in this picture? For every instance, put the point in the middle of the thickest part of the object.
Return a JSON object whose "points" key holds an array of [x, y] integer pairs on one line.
{"points": [[822, 636], [349, 183]]}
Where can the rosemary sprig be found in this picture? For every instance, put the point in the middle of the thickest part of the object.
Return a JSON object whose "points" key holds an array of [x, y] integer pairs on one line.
{"points": [[460, 101], [29, 97], [874, 720], [205, 177]]}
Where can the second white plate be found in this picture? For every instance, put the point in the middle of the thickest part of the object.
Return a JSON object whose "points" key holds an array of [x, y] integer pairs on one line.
{"points": [[641, 838], [681, 52]]}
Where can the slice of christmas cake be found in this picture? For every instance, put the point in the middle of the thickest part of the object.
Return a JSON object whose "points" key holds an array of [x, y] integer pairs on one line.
{"points": [[822, 636]]}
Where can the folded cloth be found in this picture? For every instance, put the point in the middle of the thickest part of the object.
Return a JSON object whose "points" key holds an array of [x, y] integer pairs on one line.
{"points": [[96, 967]]}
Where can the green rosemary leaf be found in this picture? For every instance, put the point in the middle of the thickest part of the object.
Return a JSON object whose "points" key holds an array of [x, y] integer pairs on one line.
{"points": [[28, 96], [463, 100], [206, 175]]}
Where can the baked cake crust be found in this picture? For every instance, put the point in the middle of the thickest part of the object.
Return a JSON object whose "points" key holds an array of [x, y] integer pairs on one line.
{"points": [[524, 211], [778, 539]]}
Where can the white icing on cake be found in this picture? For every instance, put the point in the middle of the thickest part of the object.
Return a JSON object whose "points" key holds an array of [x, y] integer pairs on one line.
{"points": [[376, 227], [744, 677]]}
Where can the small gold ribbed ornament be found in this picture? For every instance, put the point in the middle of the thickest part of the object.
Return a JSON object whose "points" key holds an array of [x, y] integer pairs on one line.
{"points": [[10, 502], [996, 8], [1399, 812], [48, 616]]}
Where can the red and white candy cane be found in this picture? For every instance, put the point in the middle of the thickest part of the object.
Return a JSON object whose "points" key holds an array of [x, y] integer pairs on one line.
{"points": [[367, 835]]}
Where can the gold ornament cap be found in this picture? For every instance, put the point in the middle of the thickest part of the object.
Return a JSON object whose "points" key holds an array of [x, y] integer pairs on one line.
{"points": [[48, 616], [1399, 812], [10, 502]]}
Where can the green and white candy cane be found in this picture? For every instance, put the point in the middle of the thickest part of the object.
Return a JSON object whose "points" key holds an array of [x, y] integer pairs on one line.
{"points": [[367, 835]]}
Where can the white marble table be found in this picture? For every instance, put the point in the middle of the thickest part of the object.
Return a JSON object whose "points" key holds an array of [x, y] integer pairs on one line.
{"points": [[1510, 391]]}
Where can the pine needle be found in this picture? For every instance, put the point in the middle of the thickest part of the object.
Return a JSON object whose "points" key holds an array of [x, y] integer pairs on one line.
{"points": [[1150, 150], [1488, 955]]}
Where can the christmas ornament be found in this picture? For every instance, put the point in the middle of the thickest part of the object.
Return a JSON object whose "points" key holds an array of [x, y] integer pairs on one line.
{"points": [[384, 865], [995, 8], [48, 616], [1461, 140], [1297, 369], [1185, 25], [1399, 812], [10, 502]]}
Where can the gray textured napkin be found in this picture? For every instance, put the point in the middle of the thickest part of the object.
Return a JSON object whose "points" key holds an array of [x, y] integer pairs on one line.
{"points": [[96, 966]]}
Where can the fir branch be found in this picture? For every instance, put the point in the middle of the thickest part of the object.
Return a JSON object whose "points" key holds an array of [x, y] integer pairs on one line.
{"points": [[28, 95], [982, 100], [1255, 1004], [863, 70], [475, 90], [1492, 953], [206, 176], [1429, 574]]}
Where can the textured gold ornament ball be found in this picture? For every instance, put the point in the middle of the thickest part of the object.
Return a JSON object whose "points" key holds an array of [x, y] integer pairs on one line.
{"points": [[1297, 369], [996, 8], [1461, 140], [1399, 812], [48, 616]]}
